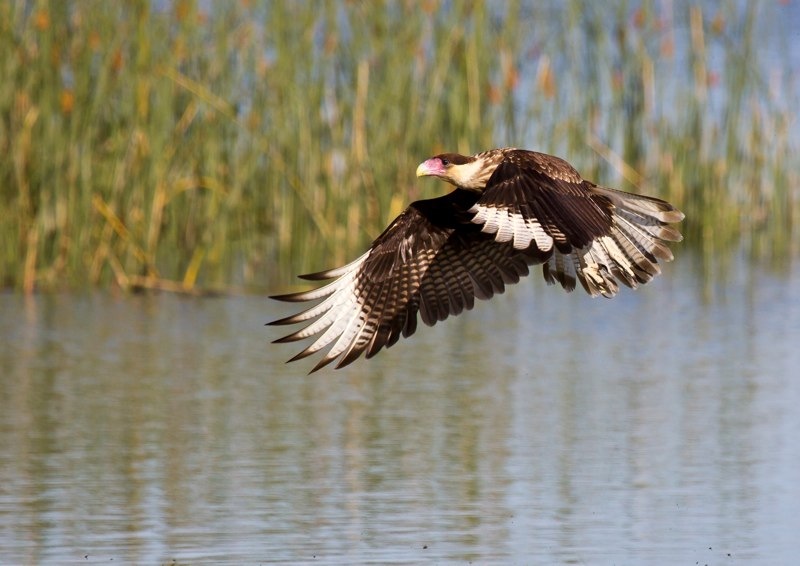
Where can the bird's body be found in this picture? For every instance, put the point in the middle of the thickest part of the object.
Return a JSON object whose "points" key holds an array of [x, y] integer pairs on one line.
{"points": [[511, 209]]}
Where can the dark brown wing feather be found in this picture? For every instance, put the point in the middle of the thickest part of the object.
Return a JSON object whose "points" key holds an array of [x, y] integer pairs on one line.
{"points": [[546, 189], [431, 260], [590, 234]]}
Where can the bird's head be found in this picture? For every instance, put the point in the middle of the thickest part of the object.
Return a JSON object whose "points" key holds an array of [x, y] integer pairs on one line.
{"points": [[460, 170]]}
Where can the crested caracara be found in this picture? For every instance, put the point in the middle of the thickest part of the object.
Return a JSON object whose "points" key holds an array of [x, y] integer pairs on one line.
{"points": [[511, 208]]}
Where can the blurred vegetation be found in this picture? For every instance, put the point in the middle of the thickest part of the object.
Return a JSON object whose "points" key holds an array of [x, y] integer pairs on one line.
{"points": [[161, 145]]}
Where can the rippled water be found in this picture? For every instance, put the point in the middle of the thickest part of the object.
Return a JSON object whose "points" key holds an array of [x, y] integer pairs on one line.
{"points": [[660, 427]]}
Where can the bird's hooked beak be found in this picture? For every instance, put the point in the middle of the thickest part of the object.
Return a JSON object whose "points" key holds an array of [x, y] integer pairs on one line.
{"points": [[432, 166]]}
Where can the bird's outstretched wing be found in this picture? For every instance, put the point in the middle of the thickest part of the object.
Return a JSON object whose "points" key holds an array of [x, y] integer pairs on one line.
{"points": [[431, 260], [591, 234]]}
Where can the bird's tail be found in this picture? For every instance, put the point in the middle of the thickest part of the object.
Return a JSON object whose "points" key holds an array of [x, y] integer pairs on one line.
{"points": [[628, 253]]}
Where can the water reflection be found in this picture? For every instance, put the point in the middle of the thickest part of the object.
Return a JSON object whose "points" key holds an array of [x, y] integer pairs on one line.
{"points": [[542, 428]]}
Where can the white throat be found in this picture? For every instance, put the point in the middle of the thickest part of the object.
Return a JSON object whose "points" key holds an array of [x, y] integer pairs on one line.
{"points": [[472, 175]]}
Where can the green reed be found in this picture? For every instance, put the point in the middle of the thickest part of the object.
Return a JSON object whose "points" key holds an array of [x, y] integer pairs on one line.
{"points": [[150, 145]]}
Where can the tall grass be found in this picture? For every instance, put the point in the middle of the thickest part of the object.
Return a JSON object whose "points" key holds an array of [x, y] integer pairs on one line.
{"points": [[159, 145]]}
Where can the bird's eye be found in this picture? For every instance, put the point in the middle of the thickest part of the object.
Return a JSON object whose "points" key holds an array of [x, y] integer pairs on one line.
{"points": [[445, 161]]}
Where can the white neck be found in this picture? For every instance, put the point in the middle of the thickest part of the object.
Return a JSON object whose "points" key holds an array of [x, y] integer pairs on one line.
{"points": [[473, 175]]}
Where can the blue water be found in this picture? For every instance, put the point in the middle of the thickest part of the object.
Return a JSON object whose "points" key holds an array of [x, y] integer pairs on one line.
{"points": [[660, 427]]}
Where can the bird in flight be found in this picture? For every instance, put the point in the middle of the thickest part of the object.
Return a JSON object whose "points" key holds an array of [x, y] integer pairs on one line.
{"points": [[511, 209]]}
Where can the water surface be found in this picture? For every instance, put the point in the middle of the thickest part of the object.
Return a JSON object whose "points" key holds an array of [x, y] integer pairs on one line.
{"points": [[660, 427]]}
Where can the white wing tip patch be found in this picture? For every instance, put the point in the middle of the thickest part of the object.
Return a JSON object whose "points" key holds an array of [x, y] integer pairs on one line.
{"points": [[511, 226]]}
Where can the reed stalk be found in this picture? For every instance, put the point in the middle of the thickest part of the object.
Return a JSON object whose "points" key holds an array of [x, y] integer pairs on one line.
{"points": [[162, 145]]}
